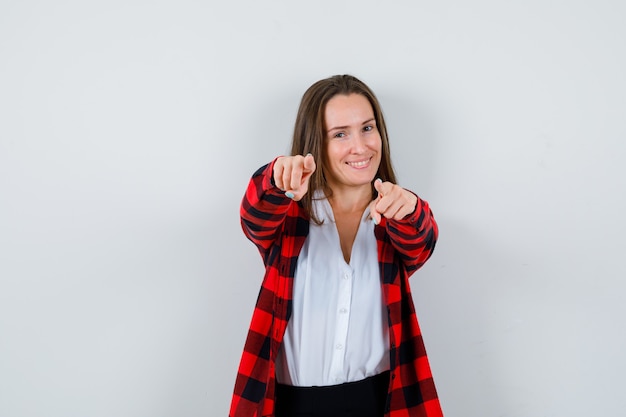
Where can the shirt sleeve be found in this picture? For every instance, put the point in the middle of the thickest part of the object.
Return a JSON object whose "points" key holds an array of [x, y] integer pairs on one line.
{"points": [[263, 209], [415, 236]]}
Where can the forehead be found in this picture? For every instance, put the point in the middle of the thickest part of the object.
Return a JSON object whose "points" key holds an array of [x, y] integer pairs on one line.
{"points": [[347, 109]]}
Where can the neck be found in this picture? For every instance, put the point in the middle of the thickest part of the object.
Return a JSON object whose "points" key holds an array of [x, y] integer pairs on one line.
{"points": [[352, 200]]}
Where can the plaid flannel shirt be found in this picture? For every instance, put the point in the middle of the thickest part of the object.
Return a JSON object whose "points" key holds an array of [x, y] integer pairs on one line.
{"points": [[278, 227]]}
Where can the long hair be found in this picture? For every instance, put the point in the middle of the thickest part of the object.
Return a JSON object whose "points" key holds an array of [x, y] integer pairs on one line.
{"points": [[309, 135]]}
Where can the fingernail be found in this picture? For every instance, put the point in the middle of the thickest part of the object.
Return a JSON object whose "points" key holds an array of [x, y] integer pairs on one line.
{"points": [[379, 180], [375, 221], [290, 194], [309, 154]]}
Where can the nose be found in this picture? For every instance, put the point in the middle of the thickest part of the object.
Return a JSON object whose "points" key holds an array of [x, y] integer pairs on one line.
{"points": [[358, 144]]}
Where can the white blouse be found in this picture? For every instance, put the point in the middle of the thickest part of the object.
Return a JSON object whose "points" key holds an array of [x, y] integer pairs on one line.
{"points": [[338, 329]]}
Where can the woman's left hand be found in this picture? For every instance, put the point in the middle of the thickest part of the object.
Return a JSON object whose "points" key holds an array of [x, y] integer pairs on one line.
{"points": [[393, 202]]}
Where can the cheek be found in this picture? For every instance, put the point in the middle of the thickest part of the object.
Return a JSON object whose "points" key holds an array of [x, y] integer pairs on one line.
{"points": [[377, 144], [335, 151]]}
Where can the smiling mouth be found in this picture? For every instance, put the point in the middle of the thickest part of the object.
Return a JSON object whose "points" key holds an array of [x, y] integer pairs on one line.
{"points": [[359, 164]]}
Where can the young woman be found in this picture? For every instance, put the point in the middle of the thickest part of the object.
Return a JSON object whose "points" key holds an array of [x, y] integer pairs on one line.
{"points": [[334, 332]]}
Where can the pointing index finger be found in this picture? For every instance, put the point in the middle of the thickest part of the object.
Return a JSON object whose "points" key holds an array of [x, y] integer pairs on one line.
{"points": [[379, 186], [309, 163]]}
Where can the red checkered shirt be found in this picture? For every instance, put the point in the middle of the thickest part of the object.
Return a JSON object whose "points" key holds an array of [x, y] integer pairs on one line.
{"points": [[279, 226]]}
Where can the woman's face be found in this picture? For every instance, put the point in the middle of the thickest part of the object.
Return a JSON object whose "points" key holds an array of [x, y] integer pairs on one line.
{"points": [[353, 143]]}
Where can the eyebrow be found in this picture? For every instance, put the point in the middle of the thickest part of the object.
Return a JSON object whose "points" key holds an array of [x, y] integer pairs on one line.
{"points": [[373, 119]]}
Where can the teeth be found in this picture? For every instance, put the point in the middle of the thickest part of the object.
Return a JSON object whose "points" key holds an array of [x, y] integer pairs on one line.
{"points": [[358, 164]]}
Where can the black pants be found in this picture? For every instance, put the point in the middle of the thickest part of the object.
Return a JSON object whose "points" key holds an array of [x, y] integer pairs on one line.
{"points": [[364, 398]]}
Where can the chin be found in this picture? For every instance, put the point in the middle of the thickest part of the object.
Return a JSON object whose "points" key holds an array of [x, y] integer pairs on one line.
{"points": [[362, 180]]}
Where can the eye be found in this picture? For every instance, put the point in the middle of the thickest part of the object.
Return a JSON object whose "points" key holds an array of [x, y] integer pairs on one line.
{"points": [[339, 135], [368, 128]]}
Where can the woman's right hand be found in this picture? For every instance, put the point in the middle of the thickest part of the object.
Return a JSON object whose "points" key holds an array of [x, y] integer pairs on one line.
{"points": [[292, 174]]}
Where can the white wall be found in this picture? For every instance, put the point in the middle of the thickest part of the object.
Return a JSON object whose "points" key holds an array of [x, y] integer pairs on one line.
{"points": [[128, 131]]}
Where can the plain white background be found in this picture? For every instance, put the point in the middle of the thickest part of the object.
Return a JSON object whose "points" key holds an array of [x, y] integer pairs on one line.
{"points": [[128, 132]]}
